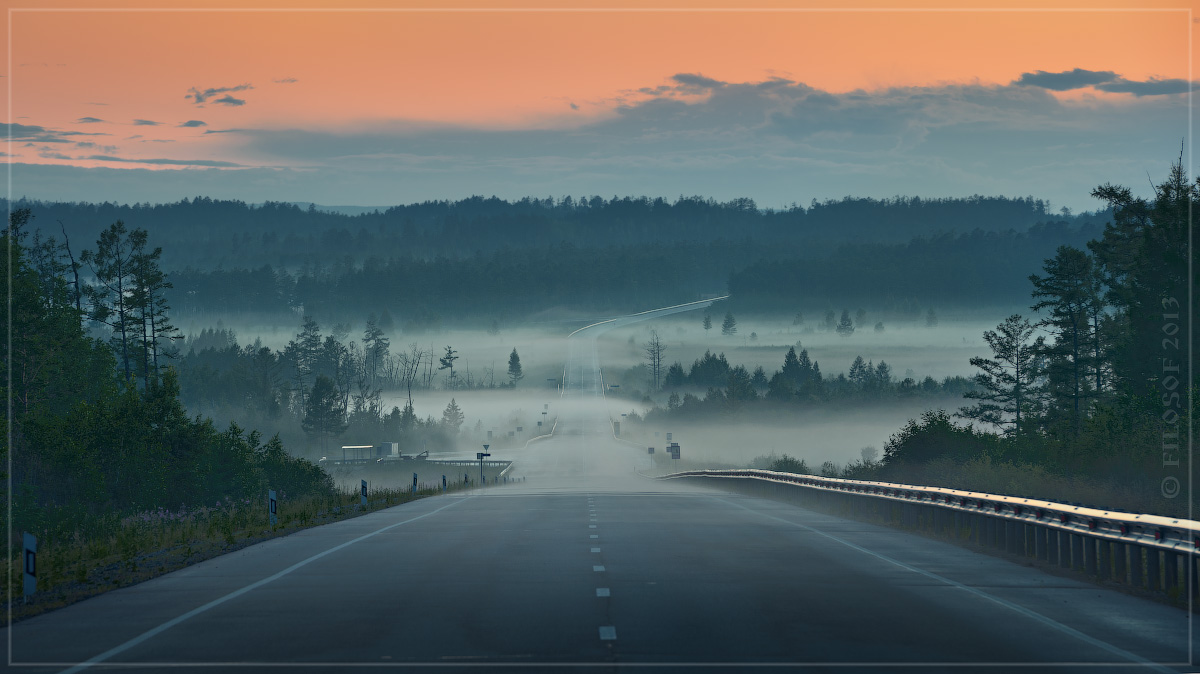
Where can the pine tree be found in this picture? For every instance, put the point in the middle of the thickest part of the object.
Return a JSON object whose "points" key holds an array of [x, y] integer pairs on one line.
{"points": [[729, 326], [452, 416], [1068, 291], [845, 327], [302, 353], [375, 351], [114, 264], [514, 368], [446, 362], [707, 324], [324, 414], [1007, 384]]}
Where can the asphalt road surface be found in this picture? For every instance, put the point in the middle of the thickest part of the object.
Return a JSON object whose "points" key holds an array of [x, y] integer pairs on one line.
{"points": [[588, 566]]}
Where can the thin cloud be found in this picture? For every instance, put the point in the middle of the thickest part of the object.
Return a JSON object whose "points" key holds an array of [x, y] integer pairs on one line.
{"points": [[145, 122], [1150, 87], [191, 123], [33, 132], [1065, 80], [574, 107], [209, 132], [1101, 80], [286, 80], [88, 120], [200, 97], [50, 154], [89, 145], [166, 162], [697, 80], [230, 100]]}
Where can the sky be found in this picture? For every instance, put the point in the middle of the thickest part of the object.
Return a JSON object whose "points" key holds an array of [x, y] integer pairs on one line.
{"points": [[786, 103]]}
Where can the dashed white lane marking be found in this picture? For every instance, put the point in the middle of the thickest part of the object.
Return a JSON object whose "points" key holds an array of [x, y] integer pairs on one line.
{"points": [[595, 549], [603, 592], [594, 536], [608, 633], [591, 526], [597, 567]]}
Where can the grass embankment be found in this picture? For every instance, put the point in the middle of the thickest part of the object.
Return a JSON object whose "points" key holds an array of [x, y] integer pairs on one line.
{"points": [[106, 552]]}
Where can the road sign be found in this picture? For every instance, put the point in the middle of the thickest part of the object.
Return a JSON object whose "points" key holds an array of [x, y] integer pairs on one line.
{"points": [[364, 493], [668, 437], [272, 507], [480, 456], [30, 565], [649, 450]]}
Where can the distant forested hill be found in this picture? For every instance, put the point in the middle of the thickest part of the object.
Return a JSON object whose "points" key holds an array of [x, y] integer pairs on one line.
{"points": [[205, 233]]}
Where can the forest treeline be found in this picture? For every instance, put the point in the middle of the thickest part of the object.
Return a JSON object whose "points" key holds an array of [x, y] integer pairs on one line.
{"points": [[97, 426], [207, 233], [979, 268], [712, 387]]}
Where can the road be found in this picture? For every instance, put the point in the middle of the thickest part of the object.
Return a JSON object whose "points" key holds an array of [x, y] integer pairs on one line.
{"points": [[589, 566]]}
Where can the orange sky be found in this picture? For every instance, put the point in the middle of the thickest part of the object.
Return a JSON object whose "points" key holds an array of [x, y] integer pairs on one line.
{"points": [[523, 69], [502, 67]]}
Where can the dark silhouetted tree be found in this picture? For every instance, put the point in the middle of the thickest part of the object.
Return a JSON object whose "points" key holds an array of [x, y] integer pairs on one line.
{"points": [[514, 368], [1007, 384], [729, 326]]}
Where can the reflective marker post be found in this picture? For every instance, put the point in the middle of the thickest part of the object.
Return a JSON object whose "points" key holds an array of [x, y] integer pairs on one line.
{"points": [[650, 452], [30, 566], [364, 493], [443, 483], [414, 483], [272, 508]]}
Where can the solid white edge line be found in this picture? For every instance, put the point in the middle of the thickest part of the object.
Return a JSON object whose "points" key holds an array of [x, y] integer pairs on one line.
{"points": [[1033, 615], [149, 634]]}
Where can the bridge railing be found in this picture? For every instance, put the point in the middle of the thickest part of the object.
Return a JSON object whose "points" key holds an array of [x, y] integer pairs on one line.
{"points": [[1149, 551]]}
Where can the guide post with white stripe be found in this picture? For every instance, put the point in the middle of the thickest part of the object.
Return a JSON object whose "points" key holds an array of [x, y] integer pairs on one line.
{"points": [[272, 507], [364, 493]]}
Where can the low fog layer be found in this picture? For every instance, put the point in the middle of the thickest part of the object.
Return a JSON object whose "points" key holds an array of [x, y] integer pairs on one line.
{"points": [[617, 348]]}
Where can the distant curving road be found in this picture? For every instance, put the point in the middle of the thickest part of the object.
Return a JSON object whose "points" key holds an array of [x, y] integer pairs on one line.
{"points": [[587, 566]]}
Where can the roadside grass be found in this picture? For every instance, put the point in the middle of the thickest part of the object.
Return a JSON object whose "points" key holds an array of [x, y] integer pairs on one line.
{"points": [[81, 557]]}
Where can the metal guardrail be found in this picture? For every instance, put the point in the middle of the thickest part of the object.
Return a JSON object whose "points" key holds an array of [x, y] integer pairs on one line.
{"points": [[1105, 543]]}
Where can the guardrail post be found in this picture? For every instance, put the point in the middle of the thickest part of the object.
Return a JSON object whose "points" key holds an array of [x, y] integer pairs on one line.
{"points": [[1023, 531], [1064, 549], [1077, 562], [1088, 544], [1105, 547], [1120, 568], [1039, 542], [1153, 570], [1171, 571], [1135, 566]]}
